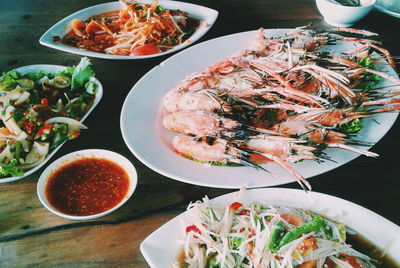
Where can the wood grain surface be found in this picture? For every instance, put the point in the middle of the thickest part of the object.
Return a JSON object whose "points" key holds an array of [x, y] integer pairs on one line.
{"points": [[30, 236]]}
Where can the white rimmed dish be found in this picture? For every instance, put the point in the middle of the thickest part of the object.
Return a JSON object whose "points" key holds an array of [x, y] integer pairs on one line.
{"points": [[52, 69], [116, 158], [339, 15], [150, 142], [161, 248], [207, 17]]}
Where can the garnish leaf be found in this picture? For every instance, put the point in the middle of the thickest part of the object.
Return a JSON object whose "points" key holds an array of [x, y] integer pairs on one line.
{"points": [[11, 169], [8, 83], [82, 73]]}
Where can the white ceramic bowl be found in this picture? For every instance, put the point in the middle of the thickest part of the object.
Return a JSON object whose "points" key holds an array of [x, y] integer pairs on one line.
{"points": [[343, 16], [89, 153]]}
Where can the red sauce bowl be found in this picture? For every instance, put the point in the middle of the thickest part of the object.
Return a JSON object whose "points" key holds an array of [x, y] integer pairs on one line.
{"points": [[87, 184]]}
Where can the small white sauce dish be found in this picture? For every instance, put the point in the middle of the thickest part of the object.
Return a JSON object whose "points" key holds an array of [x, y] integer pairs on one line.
{"points": [[116, 158], [339, 15]]}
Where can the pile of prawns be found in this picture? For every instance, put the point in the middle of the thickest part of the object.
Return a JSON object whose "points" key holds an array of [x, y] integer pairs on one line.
{"points": [[282, 100]]}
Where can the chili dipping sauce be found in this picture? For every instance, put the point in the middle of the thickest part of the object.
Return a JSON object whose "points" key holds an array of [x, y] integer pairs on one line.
{"points": [[87, 186]]}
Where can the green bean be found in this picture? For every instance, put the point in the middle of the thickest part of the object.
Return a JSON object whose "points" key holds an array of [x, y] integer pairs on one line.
{"points": [[314, 225], [273, 239], [213, 263], [18, 150], [211, 214]]}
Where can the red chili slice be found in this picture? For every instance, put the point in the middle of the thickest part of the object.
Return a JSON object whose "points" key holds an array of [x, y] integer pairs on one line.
{"points": [[194, 229], [42, 129]]}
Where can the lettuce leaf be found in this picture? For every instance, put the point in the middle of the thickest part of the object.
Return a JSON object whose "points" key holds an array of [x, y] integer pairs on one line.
{"points": [[81, 74], [67, 72], [35, 76], [91, 87], [8, 82], [11, 169]]}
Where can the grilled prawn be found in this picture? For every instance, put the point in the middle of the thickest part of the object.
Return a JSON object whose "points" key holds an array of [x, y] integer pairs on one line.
{"points": [[284, 98]]}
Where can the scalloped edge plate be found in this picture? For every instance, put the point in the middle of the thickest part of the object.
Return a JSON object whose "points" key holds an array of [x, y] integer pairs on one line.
{"points": [[206, 15], [161, 248]]}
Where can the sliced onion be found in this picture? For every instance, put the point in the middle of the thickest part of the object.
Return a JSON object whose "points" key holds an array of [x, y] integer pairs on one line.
{"points": [[22, 136], [11, 95], [25, 145], [25, 84], [6, 153], [25, 95], [38, 148], [9, 121], [66, 120], [33, 164], [60, 81]]}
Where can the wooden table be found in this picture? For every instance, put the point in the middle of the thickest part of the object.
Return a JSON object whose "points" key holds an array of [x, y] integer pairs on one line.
{"points": [[32, 236]]}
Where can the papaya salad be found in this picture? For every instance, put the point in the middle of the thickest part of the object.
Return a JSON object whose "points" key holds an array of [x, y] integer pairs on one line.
{"points": [[260, 235], [39, 111], [137, 29]]}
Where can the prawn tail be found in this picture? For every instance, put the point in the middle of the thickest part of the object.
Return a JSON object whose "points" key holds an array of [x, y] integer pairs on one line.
{"points": [[305, 185], [352, 149]]}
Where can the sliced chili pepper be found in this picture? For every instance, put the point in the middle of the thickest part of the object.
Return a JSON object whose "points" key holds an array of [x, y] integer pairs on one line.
{"points": [[28, 126], [43, 129], [194, 229]]}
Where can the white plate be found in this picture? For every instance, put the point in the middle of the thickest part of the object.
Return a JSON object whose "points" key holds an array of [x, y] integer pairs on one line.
{"points": [[52, 69], [384, 10], [207, 16], [160, 249], [149, 141]]}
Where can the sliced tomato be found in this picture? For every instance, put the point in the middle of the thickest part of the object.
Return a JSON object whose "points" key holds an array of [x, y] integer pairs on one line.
{"points": [[235, 206], [44, 101], [245, 212], [329, 263], [308, 264], [350, 259], [146, 49], [293, 219]]}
